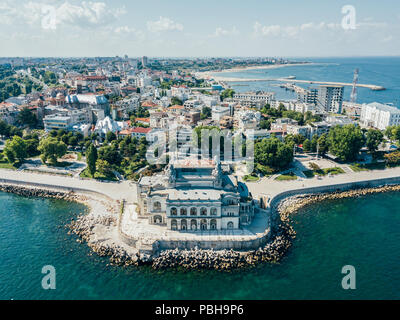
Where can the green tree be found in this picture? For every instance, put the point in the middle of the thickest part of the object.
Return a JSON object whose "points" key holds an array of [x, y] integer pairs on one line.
{"points": [[176, 101], [27, 118], [91, 158], [265, 124], [103, 167], [345, 142], [16, 149], [323, 144], [228, 93], [373, 139], [51, 149], [205, 113], [110, 136], [307, 145], [272, 152]]}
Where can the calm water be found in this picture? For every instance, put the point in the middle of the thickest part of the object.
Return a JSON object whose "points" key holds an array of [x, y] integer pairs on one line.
{"points": [[378, 71], [362, 232]]}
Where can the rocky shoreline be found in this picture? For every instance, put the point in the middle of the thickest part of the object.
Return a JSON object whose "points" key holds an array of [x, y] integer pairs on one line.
{"points": [[41, 193], [286, 207], [100, 232]]}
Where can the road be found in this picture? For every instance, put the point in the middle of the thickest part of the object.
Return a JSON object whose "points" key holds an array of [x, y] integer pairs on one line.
{"points": [[116, 190], [271, 188]]}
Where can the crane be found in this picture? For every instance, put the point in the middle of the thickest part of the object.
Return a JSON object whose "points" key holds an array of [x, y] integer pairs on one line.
{"points": [[353, 96]]}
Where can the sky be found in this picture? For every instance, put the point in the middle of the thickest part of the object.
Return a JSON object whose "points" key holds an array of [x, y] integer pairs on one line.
{"points": [[187, 28]]}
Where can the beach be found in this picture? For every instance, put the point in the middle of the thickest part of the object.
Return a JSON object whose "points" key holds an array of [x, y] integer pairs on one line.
{"points": [[212, 74]]}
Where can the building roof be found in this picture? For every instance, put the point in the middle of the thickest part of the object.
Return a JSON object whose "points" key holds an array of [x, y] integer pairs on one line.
{"points": [[194, 194], [383, 107], [194, 163], [141, 130], [142, 119]]}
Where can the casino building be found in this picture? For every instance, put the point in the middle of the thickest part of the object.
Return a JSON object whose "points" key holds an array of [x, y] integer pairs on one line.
{"points": [[195, 195]]}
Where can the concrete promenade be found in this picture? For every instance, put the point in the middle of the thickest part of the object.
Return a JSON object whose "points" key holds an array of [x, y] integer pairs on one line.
{"points": [[272, 188], [115, 190]]}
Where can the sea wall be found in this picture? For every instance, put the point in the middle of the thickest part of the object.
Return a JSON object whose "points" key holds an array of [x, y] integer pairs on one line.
{"points": [[51, 187], [334, 188]]}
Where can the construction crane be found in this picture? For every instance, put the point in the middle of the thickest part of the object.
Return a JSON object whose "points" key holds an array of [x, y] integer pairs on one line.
{"points": [[353, 96]]}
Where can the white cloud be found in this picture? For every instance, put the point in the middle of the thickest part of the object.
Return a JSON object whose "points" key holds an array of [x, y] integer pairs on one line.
{"points": [[164, 24], [128, 31], [297, 30], [220, 32], [84, 14]]}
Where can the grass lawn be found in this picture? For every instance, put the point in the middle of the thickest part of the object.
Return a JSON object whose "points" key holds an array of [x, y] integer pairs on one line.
{"points": [[323, 172], [6, 165], [334, 170], [251, 178], [98, 176], [357, 167], [286, 177]]}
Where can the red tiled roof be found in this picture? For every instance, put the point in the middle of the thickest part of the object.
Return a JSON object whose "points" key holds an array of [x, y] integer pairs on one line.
{"points": [[141, 130], [177, 106], [142, 119]]}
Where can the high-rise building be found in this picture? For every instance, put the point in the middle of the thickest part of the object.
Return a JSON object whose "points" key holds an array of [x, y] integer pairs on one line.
{"points": [[144, 61], [330, 98]]}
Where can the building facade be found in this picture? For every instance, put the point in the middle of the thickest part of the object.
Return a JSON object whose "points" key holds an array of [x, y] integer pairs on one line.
{"points": [[194, 195], [379, 115]]}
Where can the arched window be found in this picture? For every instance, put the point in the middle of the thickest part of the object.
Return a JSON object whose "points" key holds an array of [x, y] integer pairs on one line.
{"points": [[193, 211], [174, 211], [157, 219], [183, 224], [174, 225], [213, 211], [213, 224], [157, 206], [230, 225], [193, 224], [203, 224], [183, 212], [203, 211]]}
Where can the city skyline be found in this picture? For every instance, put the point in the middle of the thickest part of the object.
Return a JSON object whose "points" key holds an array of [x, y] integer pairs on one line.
{"points": [[60, 28]]}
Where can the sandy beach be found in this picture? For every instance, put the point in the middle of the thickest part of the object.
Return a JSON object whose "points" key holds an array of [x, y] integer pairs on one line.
{"points": [[211, 74]]}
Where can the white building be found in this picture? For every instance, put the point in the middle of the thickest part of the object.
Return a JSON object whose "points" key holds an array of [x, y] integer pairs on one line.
{"points": [[259, 98], [218, 112], [194, 195], [248, 119], [379, 115]]}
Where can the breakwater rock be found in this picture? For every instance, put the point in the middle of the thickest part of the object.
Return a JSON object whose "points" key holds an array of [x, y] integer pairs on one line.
{"points": [[221, 259], [42, 193], [290, 205]]}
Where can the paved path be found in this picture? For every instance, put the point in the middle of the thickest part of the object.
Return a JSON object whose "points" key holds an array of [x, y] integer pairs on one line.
{"points": [[271, 188], [116, 190]]}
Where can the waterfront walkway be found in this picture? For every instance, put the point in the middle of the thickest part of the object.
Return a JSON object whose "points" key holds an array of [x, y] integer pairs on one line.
{"points": [[271, 188], [115, 190]]}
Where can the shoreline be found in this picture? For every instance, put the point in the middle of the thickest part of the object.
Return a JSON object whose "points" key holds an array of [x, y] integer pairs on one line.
{"points": [[209, 74], [99, 229]]}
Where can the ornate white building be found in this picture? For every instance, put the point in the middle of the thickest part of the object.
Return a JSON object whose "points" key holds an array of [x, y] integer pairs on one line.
{"points": [[194, 195]]}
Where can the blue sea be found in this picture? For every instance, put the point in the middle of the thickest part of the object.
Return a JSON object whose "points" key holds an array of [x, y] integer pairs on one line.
{"points": [[362, 232], [382, 71]]}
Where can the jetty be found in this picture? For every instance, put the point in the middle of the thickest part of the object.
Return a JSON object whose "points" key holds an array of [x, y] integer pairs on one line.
{"points": [[346, 84]]}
